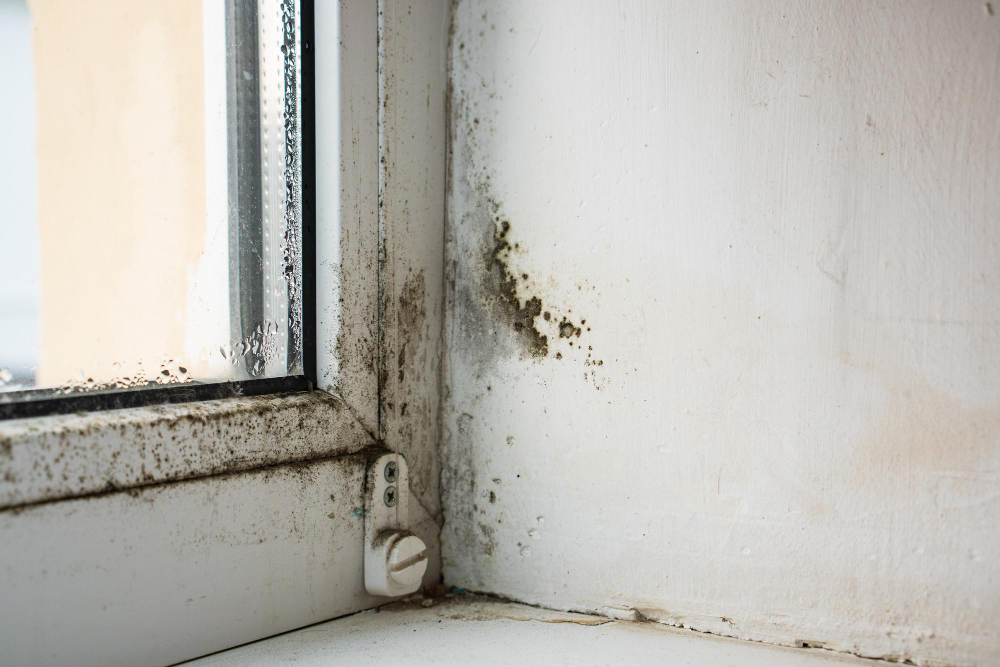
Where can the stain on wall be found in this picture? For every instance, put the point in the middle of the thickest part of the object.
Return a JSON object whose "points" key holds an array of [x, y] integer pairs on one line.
{"points": [[503, 286], [777, 264]]}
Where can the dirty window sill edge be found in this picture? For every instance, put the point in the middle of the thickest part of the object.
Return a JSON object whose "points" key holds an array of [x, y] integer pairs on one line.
{"points": [[59, 457]]}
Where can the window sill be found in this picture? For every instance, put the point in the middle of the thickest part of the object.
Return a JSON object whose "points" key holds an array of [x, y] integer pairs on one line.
{"points": [[472, 630]]}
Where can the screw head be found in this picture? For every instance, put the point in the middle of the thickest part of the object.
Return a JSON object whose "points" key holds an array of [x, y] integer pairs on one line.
{"points": [[390, 496], [407, 561], [391, 471]]}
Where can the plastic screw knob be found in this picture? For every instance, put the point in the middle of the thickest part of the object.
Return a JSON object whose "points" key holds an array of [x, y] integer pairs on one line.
{"points": [[407, 561]]}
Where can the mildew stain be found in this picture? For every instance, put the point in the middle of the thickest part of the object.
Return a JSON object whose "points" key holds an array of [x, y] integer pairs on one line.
{"points": [[167, 443], [412, 314], [504, 285], [498, 302], [488, 544], [568, 330], [536, 327]]}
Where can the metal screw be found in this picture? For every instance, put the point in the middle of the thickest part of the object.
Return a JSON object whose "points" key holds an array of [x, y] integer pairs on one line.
{"points": [[390, 496], [390, 472]]}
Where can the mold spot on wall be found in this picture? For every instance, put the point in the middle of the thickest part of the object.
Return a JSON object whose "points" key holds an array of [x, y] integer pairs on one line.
{"points": [[487, 544], [513, 299], [567, 329], [500, 302], [520, 315]]}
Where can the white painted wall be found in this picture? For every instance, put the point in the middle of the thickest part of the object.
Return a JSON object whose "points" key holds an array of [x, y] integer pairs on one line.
{"points": [[781, 223]]}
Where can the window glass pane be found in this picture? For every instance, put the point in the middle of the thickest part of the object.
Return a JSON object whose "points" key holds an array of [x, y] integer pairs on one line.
{"points": [[149, 223]]}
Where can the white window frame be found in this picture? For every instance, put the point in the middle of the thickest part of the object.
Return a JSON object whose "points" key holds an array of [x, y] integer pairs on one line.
{"points": [[158, 534]]}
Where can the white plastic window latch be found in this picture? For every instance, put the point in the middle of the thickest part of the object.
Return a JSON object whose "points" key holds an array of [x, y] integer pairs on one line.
{"points": [[395, 560]]}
